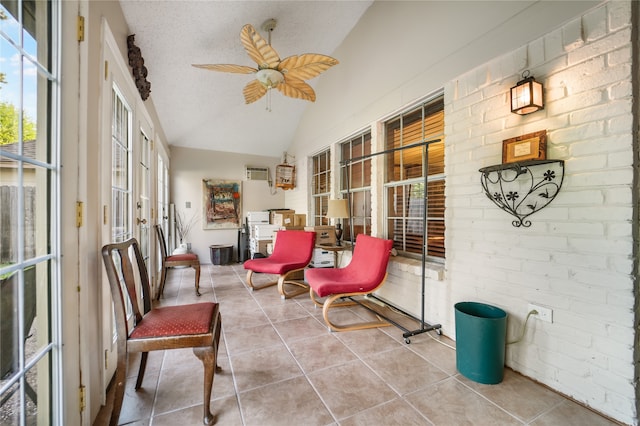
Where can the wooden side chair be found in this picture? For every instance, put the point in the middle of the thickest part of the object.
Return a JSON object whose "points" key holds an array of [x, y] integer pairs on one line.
{"points": [[187, 259], [292, 252], [365, 274], [194, 326]]}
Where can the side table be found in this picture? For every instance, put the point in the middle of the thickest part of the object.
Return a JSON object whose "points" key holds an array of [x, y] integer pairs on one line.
{"points": [[332, 248]]}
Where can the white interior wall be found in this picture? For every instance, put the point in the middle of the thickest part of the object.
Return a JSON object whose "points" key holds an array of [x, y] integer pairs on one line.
{"points": [[190, 166], [577, 258]]}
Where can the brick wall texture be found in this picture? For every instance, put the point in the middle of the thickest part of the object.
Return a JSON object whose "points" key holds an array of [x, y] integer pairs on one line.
{"points": [[577, 257]]}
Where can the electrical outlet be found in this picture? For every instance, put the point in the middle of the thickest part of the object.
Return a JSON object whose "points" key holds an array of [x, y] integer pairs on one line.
{"points": [[544, 313]]}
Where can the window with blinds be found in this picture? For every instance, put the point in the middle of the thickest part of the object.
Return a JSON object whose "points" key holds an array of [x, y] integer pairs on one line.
{"points": [[406, 168], [356, 180], [320, 178]]}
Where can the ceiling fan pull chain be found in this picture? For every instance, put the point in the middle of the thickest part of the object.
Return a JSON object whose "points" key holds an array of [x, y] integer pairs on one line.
{"points": [[269, 99]]}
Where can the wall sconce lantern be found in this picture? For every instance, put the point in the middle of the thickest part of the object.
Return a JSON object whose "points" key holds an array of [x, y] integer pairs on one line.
{"points": [[527, 96]]}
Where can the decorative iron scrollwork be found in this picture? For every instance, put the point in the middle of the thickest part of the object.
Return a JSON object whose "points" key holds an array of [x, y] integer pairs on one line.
{"points": [[523, 188], [136, 62]]}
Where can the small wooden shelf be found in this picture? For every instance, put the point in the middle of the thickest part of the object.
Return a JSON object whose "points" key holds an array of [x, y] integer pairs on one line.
{"points": [[522, 188]]}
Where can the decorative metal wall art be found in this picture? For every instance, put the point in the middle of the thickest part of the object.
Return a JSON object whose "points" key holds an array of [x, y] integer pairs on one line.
{"points": [[136, 62], [523, 188]]}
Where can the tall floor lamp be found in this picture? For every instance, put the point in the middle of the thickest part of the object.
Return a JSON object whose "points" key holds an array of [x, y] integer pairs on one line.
{"points": [[338, 209]]}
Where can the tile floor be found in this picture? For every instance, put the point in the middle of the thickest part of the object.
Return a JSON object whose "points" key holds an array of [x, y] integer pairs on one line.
{"points": [[281, 366]]}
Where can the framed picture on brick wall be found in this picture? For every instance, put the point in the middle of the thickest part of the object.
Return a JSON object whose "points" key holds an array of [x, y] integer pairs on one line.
{"points": [[532, 146]]}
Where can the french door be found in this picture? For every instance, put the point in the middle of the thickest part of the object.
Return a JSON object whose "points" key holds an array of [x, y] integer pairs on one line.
{"points": [[127, 154]]}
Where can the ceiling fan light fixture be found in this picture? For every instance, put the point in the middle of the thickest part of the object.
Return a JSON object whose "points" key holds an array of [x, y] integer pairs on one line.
{"points": [[269, 78]]}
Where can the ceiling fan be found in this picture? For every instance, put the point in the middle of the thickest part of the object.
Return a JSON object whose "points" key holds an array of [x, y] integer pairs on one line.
{"points": [[287, 75]]}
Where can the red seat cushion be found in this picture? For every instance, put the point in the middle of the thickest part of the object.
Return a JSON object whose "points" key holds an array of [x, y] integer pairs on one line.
{"points": [[178, 320], [364, 273], [266, 265], [293, 250], [179, 257]]}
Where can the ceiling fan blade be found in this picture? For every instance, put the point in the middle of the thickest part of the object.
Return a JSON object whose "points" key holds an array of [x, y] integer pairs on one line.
{"points": [[306, 66], [253, 91], [258, 49], [295, 88], [238, 69]]}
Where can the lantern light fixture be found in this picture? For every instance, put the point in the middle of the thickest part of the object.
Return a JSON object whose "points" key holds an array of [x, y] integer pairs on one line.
{"points": [[527, 96]]}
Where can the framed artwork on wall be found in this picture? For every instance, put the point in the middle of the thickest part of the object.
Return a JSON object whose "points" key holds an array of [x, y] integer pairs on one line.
{"points": [[221, 204], [532, 146]]}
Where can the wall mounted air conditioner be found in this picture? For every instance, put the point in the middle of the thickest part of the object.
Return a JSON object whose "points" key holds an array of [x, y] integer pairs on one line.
{"points": [[256, 173]]}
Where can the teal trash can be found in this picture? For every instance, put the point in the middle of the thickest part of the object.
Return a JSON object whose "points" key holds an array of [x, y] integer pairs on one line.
{"points": [[481, 332]]}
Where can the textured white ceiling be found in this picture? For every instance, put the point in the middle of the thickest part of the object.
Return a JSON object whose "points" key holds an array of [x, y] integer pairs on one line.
{"points": [[205, 109]]}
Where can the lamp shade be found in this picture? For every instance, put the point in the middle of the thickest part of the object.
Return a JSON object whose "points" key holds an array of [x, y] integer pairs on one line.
{"points": [[337, 209], [527, 96]]}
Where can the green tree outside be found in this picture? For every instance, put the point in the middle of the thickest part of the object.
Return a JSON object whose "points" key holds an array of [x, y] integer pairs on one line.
{"points": [[9, 118]]}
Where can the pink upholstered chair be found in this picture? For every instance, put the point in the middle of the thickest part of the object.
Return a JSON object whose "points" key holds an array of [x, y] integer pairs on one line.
{"points": [[365, 273], [194, 325], [292, 252], [171, 261]]}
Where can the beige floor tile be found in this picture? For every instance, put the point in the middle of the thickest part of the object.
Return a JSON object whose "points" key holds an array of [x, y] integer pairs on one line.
{"points": [[181, 385], [518, 395], [225, 410], [290, 402], [568, 413], [280, 366], [315, 353], [262, 367], [154, 364], [233, 320], [300, 328], [452, 403], [393, 413], [138, 405], [350, 388], [285, 311], [367, 342], [250, 338], [435, 349], [404, 371]]}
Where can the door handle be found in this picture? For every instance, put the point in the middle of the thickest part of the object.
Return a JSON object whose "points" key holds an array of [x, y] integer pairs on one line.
{"points": [[143, 221]]}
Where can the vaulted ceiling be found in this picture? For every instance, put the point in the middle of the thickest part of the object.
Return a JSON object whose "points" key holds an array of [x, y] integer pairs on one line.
{"points": [[206, 109]]}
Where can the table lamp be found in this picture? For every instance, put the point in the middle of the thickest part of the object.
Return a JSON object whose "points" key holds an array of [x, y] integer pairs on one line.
{"points": [[338, 209]]}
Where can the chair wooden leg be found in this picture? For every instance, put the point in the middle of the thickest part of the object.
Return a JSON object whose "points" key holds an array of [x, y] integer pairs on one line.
{"points": [[163, 276], [328, 304], [282, 280], [197, 268], [143, 366], [209, 362], [320, 303], [257, 287], [119, 383]]}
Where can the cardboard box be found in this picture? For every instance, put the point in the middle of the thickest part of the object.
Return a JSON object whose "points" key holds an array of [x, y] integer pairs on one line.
{"points": [[272, 218], [283, 219], [299, 220], [324, 234], [258, 246]]}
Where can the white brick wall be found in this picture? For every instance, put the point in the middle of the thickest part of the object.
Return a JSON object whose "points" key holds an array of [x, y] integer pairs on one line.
{"points": [[576, 257]]}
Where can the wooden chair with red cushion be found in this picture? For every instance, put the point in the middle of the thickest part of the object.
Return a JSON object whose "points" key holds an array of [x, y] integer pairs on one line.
{"points": [[187, 259], [194, 326], [292, 252], [365, 273]]}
